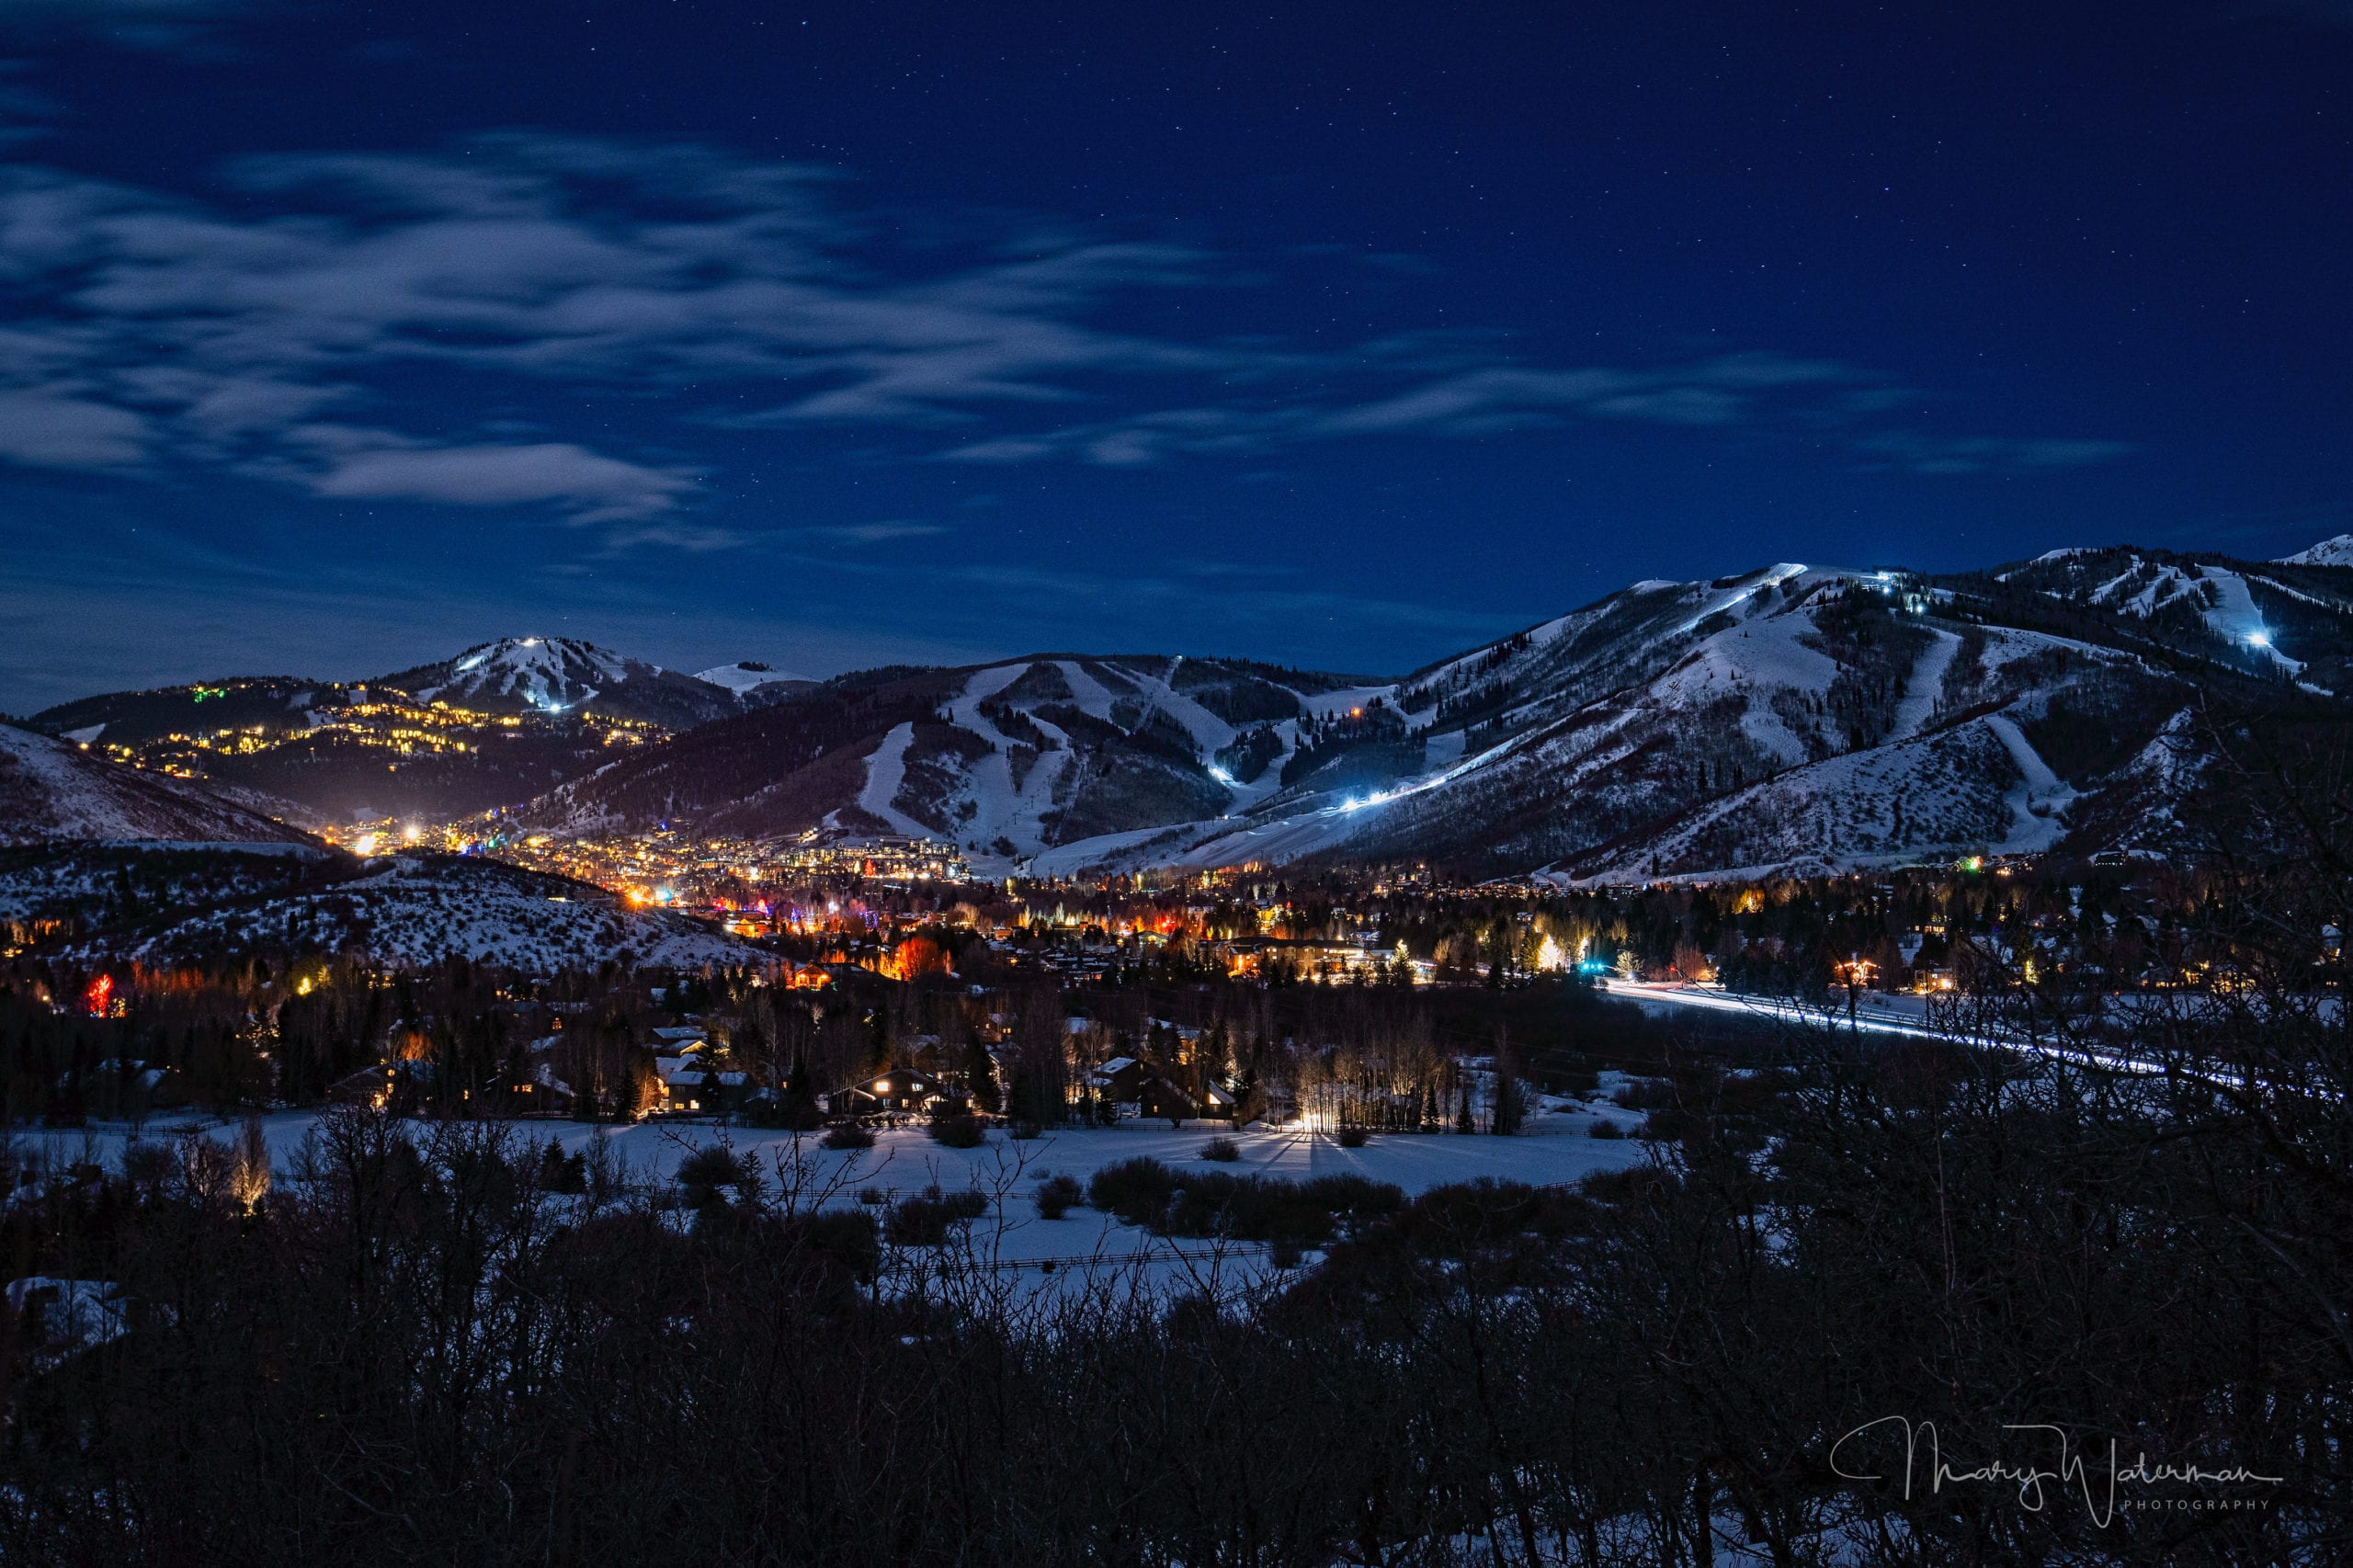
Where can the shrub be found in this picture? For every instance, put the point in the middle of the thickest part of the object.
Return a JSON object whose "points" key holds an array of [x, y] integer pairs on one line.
{"points": [[1354, 1138], [850, 1135], [959, 1132], [1604, 1127], [1136, 1190], [1223, 1149], [705, 1171], [1057, 1196], [924, 1219], [873, 1197], [1023, 1130], [1248, 1207], [1285, 1252]]}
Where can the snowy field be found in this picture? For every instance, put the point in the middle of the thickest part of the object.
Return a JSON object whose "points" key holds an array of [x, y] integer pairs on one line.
{"points": [[1013, 1246]]}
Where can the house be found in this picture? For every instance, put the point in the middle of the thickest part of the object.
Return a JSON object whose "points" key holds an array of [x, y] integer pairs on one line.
{"points": [[549, 1094], [900, 1089], [1138, 1088], [1159, 1097], [1120, 1080], [687, 1090], [131, 1088]]}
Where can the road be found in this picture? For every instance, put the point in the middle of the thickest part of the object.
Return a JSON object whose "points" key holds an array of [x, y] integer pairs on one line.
{"points": [[1878, 1014]]}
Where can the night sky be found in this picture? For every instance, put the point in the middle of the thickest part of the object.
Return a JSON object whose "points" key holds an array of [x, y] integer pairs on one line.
{"points": [[339, 336]]}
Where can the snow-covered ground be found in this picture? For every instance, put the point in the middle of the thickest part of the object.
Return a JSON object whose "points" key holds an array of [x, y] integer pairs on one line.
{"points": [[1012, 1242], [742, 679]]}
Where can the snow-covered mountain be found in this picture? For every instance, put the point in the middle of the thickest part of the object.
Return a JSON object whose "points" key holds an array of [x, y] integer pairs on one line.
{"points": [[2338, 552], [535, 711], [1791, 717], [563, 674], [1007, 758], [753, 682], [52, 790]]}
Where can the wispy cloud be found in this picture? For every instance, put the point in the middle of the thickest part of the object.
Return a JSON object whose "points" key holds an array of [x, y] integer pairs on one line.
{"points": [[50, 427], [377, 466], [1986, 454], [877, 533], [150, 332]]}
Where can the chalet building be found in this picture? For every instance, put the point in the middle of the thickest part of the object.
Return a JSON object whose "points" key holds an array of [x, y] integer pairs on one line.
{"points": [[1141, 1089], [898, 1089], [697, 1091]]}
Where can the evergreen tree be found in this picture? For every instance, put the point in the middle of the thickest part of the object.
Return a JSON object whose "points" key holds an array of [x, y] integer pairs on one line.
{"points": [[1511, 1099], [980, 1077]]}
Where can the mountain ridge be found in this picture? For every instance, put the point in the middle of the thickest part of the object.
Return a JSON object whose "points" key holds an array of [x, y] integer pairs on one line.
{"points": [[1783, 715]]}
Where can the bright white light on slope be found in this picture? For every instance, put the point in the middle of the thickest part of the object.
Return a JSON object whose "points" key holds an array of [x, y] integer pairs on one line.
{"points": [[2258, 640], [1222, 776]]}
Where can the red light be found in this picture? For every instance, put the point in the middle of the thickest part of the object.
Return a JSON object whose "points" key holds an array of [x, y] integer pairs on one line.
{"points": [[99, 992]]}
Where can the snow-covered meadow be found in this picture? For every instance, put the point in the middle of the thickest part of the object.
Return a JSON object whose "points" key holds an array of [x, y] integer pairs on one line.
{"points": [[1012, 1243]]}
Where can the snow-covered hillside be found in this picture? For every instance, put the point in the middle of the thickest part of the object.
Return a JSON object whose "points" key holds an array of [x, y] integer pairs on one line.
{"points": [[1796, 718], [1789, 716], [52, 790], [1007, 759], [2338, 552], [413, 910], [751, 681]]}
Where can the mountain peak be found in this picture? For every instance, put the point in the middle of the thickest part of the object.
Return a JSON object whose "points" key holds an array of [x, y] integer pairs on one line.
{"points": [[559, 675], [2338, 552]]}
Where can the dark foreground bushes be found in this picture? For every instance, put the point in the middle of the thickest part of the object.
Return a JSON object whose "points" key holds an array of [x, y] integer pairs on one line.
{"points": [[417, 1352], [926, 1219], [1240, 1208]]}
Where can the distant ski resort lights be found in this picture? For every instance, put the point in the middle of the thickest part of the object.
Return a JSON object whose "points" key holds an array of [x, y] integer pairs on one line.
{"points": [[2258, 639]]}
